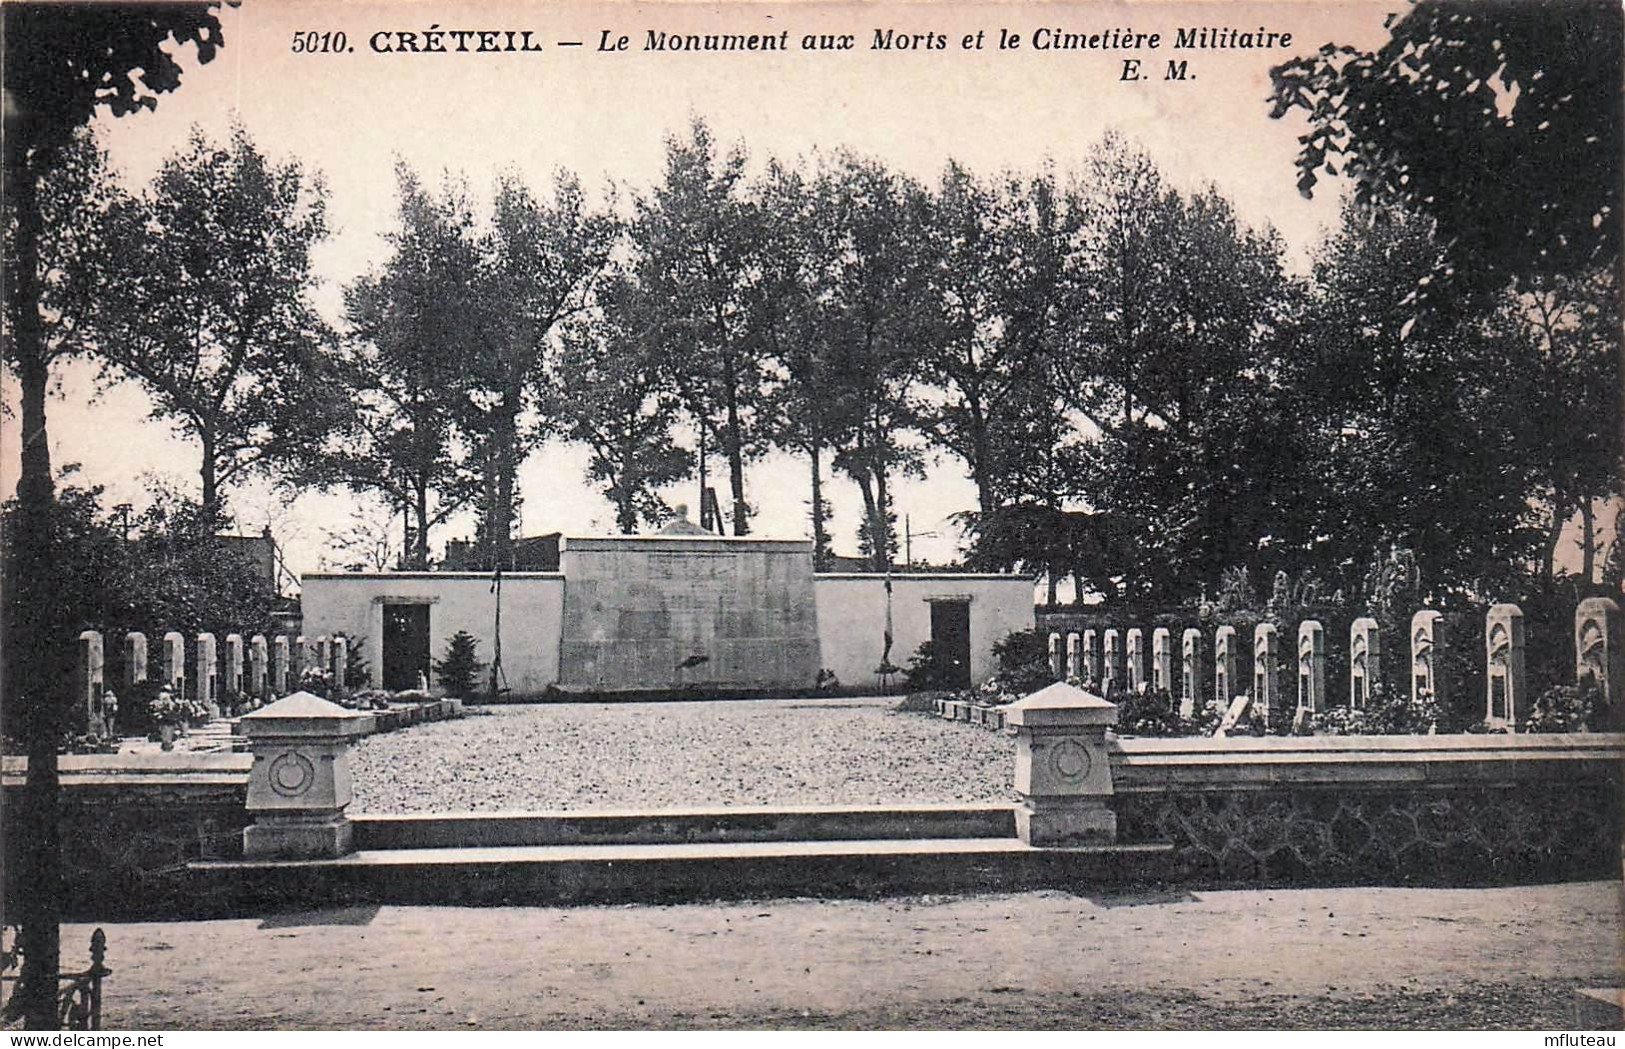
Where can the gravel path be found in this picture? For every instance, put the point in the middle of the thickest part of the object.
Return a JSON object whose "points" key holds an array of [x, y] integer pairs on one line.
{"points": [[583, 756]]}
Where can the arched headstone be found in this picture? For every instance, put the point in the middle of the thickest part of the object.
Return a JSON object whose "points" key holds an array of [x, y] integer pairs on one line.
{"points": [[88, 681], [1506, 702], [1598, 652], [1365, 656], [1224, 664], [208, 674], [1266, 669], [1311, 666], [258, 667], [1162, 660], [1134, 659], [1427, 646], [135, 658], [1111, 669], [1190, 672]]}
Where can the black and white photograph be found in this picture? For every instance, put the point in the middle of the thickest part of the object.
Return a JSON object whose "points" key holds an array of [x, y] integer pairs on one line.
{"points": [[922, 515]]}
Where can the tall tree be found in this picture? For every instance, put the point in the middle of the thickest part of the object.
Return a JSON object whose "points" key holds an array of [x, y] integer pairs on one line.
{"points": [[204, 298], [807, 406], [543, 262], [408, 329], [1175, 305], [1564, 336], [875, 324], [1410, 411], [694, 234], [616, 397], [977, 359], [60, 63]]}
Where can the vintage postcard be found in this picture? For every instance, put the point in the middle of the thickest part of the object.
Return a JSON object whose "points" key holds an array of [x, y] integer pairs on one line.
{"points": [[749, 515]]}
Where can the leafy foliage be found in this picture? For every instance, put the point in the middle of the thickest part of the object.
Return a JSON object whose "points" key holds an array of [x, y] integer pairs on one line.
{"points": [[1567, 708], [1510, 111], [202, 294]]}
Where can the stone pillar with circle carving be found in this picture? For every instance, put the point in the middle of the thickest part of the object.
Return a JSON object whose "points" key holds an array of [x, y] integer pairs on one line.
{"points": [[299, 784], [1063, 773]]}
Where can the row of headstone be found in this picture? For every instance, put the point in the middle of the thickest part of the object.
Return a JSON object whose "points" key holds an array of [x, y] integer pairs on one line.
{"points": [[1111, 660], [257, 672]]}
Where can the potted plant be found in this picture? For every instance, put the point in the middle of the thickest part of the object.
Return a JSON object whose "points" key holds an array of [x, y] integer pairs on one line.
{"points": [[171, 713]]}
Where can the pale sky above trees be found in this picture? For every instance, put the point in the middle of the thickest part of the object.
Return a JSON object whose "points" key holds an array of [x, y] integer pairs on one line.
{"points": [[604, 117]]}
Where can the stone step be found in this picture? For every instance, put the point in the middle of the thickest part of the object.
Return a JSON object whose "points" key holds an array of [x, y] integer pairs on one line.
{"points": [[795, 823], [552, 874]]}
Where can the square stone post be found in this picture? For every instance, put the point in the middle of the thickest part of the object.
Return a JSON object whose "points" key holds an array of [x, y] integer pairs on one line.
{"points": [[1162, 660], [1266, 669], [1365, 660], [1427, 645], [1056, 669], [88, 682], [1599, 654], [1091, 657], [135, 658], [1111, 672], [1134, 659], [1224, 664], [208, 671], [1074, 667], [1311, 666], [1063, 772], [281, 665], [1190, 672], [175, 663], [304, 657], [234, 669], [299, 784], [324, 654], [258, 660], [1506, 700]]}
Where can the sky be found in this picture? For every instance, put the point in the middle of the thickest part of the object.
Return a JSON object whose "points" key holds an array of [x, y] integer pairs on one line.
{"points": [[605, 114]]}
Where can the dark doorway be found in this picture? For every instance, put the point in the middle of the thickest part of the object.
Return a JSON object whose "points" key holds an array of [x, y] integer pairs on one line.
{"points": [[406, 645], [950, 641]]}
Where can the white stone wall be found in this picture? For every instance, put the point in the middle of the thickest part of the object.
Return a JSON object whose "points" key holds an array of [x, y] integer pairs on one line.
{"points": [[352, 603], [852, 618], [851, 611]]}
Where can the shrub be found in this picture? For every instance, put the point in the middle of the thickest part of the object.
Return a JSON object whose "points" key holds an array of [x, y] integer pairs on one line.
{"points": [[458, 671], [1386, 715], [924, 672], [1565, 708], [1023, 658], [1154, 712]]}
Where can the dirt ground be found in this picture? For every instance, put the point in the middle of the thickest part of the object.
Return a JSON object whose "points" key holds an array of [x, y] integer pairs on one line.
{"points": [[1298, 958]]}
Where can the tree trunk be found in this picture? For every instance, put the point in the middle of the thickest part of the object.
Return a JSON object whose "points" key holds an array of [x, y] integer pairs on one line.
{"points": [[820, 539], [209, 474], [505, 461], [1588, 523], [862, 477], [37, 637], [736, 454], [1548, 559], [882, 536], [420, 542]]}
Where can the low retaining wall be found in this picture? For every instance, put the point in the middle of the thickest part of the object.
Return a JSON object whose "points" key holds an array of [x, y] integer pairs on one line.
{"points": [[1324, 810], [132, 822], [1460, 810]]}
